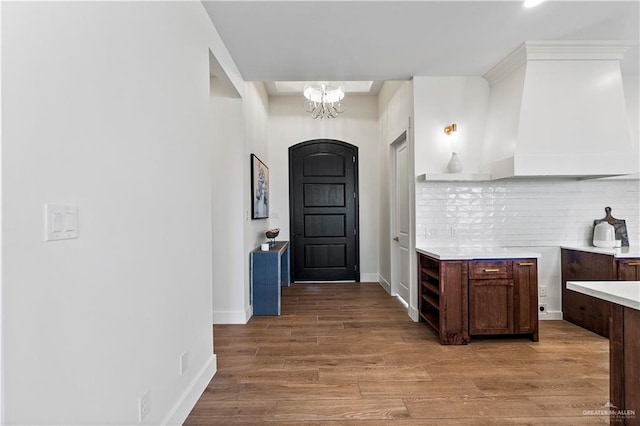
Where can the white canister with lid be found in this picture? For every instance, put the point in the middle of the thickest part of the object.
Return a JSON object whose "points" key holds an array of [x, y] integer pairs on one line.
{"points": [[604, 235]]}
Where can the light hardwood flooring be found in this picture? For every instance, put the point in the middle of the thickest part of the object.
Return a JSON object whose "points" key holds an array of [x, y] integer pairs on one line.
{"points": [[349, 354]]}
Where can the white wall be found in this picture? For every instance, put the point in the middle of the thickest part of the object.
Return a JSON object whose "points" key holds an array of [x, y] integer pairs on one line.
{"points": [[289, 125], [240, 129], [255, 110], [106, 105], [439, 101], [228, 164]]}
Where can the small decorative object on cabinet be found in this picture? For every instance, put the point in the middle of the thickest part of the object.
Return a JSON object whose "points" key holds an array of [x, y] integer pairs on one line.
{"points": [[619, 226], [272, 234], [269, 272], [454, 165]]}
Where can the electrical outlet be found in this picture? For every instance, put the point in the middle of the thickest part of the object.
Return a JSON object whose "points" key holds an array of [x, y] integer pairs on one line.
{"points": [[144, 405], [543, 291], [184, 363], [542, 308]]}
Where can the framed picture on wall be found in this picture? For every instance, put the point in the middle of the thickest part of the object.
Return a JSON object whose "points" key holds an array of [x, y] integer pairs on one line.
{"points": [[259, 189]]}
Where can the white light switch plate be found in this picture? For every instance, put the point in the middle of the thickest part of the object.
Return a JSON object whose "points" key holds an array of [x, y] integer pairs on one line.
{"points": [[61, 221]]}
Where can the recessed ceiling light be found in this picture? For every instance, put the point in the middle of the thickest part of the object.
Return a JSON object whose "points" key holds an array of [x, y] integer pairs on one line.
{"points": [[532, 3]]}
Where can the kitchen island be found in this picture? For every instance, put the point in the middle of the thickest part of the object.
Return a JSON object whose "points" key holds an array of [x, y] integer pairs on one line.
{"points": [[585, 263], [624, 344], [464, 292]]}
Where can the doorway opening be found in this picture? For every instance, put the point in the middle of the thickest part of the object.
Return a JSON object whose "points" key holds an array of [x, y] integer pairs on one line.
{"points": [[323, 211]]}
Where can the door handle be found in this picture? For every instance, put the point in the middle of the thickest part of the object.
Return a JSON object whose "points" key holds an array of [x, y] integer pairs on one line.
{"points": [[396, 238]]}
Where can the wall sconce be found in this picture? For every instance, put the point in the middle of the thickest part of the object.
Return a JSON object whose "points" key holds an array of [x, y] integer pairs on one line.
{"points": [[450, 129]]}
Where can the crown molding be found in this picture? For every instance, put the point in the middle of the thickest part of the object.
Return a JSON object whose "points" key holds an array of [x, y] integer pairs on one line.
{"points": [[558, 50]]}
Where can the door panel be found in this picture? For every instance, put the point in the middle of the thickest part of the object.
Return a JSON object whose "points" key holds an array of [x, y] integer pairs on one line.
{"points": [[324, 164], [324, 225], [324, 195], [401, 205], [324, 211], [325, 256]]}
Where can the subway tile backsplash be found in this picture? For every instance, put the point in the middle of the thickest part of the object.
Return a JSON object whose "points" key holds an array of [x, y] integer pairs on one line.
{"points": [[522, 212]]}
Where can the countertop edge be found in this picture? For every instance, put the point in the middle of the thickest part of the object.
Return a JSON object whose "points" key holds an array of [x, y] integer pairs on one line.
{"points": [[615, 252], [590, 288], [440, 253]]}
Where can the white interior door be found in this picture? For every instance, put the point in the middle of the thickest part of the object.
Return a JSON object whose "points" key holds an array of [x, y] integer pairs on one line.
{"points": [[400, 247]]}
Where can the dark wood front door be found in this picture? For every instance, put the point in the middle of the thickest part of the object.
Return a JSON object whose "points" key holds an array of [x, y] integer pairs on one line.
{"points": [[323, 184]]}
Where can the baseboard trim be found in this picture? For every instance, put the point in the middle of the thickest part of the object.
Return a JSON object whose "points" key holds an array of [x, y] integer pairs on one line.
{"points": [[413, 313], [384, 284], [369, 278], [248, 313], [550, 316], [231, 317], [188, 399]]}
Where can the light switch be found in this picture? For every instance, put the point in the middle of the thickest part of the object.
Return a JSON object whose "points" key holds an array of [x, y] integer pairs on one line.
{"points": [[61, 221]]}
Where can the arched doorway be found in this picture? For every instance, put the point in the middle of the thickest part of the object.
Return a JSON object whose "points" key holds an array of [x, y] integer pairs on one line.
{"points": [[323, 205]]}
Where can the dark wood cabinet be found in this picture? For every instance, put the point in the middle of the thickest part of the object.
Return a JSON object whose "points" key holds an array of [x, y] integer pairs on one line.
{"points": [[491, 306], [583, 310], [485, 297], [503, 297], [442, 296], [624, 368], [628, 269], [525, 280]]}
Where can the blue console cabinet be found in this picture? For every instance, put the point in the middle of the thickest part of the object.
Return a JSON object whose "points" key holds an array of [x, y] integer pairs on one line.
{"points": [[269, 272]]}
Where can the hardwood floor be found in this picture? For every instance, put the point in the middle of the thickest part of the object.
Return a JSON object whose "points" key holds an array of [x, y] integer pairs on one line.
{"points": [[349, 354]]}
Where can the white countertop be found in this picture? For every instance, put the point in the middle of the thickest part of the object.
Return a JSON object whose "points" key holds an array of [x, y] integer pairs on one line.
{"points": [[620, 253], [625, 293], [472, 253]]}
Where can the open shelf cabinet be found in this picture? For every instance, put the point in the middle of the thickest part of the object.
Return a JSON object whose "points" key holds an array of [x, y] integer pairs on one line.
{"points": [[443, 302]]}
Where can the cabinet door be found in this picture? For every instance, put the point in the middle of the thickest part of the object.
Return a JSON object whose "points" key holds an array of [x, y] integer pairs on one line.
{"points": [[586, 311], [491, 307], [525, 279], [629, 270]]}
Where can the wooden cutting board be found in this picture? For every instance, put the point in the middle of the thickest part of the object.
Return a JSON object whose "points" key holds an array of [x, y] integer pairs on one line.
{"points": [[618, 224]]}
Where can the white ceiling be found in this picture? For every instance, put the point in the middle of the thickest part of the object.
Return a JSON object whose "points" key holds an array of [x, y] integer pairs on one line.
{"points": [[275, 41]]}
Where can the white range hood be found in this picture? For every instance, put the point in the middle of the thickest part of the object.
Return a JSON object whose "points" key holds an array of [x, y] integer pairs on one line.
{"points": [[558, 109]]}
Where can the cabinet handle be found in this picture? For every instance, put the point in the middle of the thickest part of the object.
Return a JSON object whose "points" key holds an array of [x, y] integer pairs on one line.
{"points": [[526, 264], [633, 263], [491, 270]]}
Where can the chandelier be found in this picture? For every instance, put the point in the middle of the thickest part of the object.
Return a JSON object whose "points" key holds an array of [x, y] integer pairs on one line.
{"points": [[323, 101]]}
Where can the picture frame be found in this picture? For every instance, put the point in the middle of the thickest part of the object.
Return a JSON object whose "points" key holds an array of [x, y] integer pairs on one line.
{"points": [[259, 189]]}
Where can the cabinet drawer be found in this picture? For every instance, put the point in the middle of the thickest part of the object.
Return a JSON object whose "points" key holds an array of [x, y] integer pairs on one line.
{"points": [[628, 269], [490, 269]]}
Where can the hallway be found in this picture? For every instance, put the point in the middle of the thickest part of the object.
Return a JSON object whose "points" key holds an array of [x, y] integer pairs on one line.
{"points": [[349, 354]]}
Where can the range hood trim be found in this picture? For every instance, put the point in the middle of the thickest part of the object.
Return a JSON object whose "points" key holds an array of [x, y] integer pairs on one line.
{"points": [[558, 51]]}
